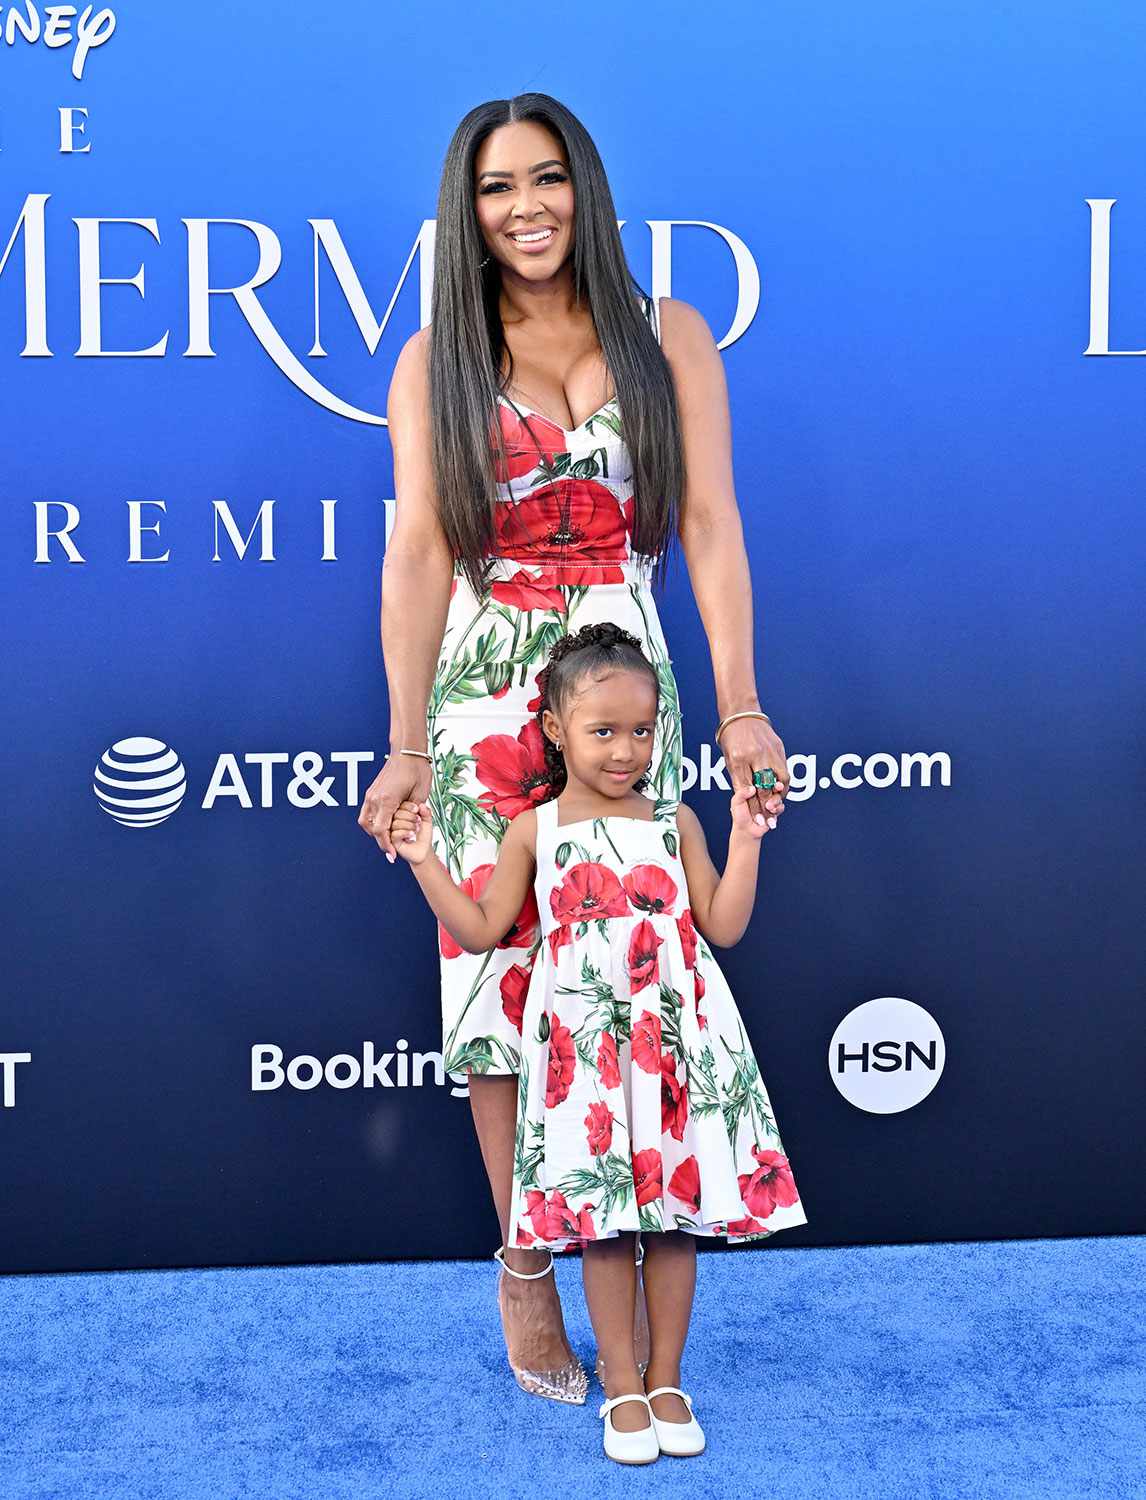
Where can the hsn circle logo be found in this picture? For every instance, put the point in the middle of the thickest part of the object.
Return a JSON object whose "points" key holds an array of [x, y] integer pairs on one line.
{"points": [[886, 1055], [139, 782]]}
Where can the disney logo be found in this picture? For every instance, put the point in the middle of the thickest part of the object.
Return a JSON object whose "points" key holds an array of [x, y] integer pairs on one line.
{"points": [[56, 29]]}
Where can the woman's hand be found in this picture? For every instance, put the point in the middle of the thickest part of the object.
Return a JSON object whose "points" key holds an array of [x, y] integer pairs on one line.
{"points": [[753, 745], [403, 778], [410, 830]]}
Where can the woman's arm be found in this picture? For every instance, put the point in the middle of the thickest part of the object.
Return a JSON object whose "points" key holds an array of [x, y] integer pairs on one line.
{"points": [[478, 925], [721, 905], [418, 567], [712, 539]]}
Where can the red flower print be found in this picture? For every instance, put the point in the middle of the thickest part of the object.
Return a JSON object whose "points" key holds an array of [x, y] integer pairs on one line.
{"points": [[520, 935], [745, 1226], [687, 930], [650, 888], [646, 1044], [535, 702], [562, 1061], [599, 1123], [698, 992], [524, 1238], [576, 523], [685, 1183], [514, 988], [529, 442], [558, 937], [607, 1062], [453, 588], [644, 966], [771, 1186], [588, 891], [553, 1219], [674, 1100], [512, 770], [524, 591], [647, 1175]]}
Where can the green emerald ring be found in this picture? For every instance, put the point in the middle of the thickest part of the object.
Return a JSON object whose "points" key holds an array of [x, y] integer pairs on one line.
{"points": [[764, 779]]}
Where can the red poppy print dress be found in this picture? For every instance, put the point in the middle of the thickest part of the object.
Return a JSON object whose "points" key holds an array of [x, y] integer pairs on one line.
{"points": [[564, 517], [640, 1102]]}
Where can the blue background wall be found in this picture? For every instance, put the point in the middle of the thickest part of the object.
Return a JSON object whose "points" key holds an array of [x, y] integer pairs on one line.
{"points": [[942, 504]]}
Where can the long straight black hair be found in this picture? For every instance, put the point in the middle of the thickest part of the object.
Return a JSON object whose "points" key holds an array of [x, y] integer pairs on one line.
{"points": [[467, 346]]}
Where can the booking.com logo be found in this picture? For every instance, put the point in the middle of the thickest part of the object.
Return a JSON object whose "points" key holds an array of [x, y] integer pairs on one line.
{"points": [[140, 781]]}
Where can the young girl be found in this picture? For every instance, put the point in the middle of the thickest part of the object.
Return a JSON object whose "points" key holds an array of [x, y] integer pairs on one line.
{"points": [[640, 1104]]}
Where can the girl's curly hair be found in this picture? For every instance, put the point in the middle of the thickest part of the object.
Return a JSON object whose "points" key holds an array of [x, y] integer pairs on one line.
{"points": [[573, 657]]}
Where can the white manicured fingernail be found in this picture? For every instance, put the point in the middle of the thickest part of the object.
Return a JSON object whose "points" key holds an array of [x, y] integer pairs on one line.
{"points": [[771, 822], [759, 817]]}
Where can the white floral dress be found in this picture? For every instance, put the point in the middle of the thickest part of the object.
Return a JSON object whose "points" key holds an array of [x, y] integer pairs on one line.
{"points": [[640, 1102], [564, 518]]}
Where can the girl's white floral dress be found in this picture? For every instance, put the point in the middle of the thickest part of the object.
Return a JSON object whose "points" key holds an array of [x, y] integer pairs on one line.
{"points": [[640, 1102]]}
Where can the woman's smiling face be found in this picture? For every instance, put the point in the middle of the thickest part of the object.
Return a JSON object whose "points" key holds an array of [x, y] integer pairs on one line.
{"points": [[522, 185]]}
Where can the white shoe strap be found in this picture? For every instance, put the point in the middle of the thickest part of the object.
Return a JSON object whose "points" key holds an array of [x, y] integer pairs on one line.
{"points": [[607, 1406], [499, 1256], [672, 1390]]}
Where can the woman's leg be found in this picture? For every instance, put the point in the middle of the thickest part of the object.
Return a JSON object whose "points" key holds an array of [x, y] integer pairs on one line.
{"points": [[610, 1272], [670, 1284], [536, 1331]]}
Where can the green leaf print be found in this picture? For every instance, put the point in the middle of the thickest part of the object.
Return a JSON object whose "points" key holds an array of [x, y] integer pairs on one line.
{"points": [[743, 1096], [475, 1057], [703, 1088], [613, 1179], [543, 1028], [651, 1216]]}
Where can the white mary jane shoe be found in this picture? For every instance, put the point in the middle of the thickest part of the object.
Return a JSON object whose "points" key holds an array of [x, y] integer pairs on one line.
{"points": [[640, 1447], [677, 1439]]}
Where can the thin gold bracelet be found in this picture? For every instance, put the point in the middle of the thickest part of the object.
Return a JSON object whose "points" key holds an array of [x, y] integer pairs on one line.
{"points": [[404, 751]]}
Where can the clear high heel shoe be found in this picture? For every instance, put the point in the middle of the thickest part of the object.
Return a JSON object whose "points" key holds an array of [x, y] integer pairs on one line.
{"points": [[569, 1383], [640, 1324]]}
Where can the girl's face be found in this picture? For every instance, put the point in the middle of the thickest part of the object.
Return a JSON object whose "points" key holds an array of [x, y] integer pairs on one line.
{"points": [[606, 732], [522, 184]]}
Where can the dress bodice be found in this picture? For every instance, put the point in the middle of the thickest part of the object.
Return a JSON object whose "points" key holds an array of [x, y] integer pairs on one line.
{"points": [[565, 495], [608, 869]]}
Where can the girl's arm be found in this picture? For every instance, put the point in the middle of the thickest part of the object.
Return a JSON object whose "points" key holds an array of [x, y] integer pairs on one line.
{"points": [[721, 905], [476, 925]]}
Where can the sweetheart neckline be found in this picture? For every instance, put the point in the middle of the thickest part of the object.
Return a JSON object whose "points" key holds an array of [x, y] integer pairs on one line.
{"points": [[567, 431]]}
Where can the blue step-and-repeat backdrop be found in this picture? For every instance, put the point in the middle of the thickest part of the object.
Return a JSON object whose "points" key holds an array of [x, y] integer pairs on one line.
{"points": [[919, 236]]}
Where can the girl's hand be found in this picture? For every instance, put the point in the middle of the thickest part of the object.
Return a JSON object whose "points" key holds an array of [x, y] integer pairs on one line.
{"points": [[410, 831], [743, 815]]}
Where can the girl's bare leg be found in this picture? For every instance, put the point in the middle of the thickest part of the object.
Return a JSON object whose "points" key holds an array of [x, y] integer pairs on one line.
{"points": [[670, 1284], [610, 1273], [536, 1339]]}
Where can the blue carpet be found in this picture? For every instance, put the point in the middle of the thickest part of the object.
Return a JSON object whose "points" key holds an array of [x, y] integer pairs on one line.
{"points": [[1011, 1369]]}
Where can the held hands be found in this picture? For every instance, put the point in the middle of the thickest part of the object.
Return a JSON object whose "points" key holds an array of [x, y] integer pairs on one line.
{"points": [[744, 818], [410, 831]]}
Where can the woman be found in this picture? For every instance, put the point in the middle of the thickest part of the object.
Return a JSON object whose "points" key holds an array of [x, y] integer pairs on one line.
{"points": [[546, 452]]}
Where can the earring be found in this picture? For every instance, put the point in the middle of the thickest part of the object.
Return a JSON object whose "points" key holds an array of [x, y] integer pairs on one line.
{"points": [[483, 263], [559, 744]]}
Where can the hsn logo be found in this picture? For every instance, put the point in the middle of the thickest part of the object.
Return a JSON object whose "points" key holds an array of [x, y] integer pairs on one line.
{"points": [[139, 782]]}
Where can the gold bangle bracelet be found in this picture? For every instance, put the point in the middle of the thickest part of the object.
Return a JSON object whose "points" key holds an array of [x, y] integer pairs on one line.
{"points": [[747, 713]]}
